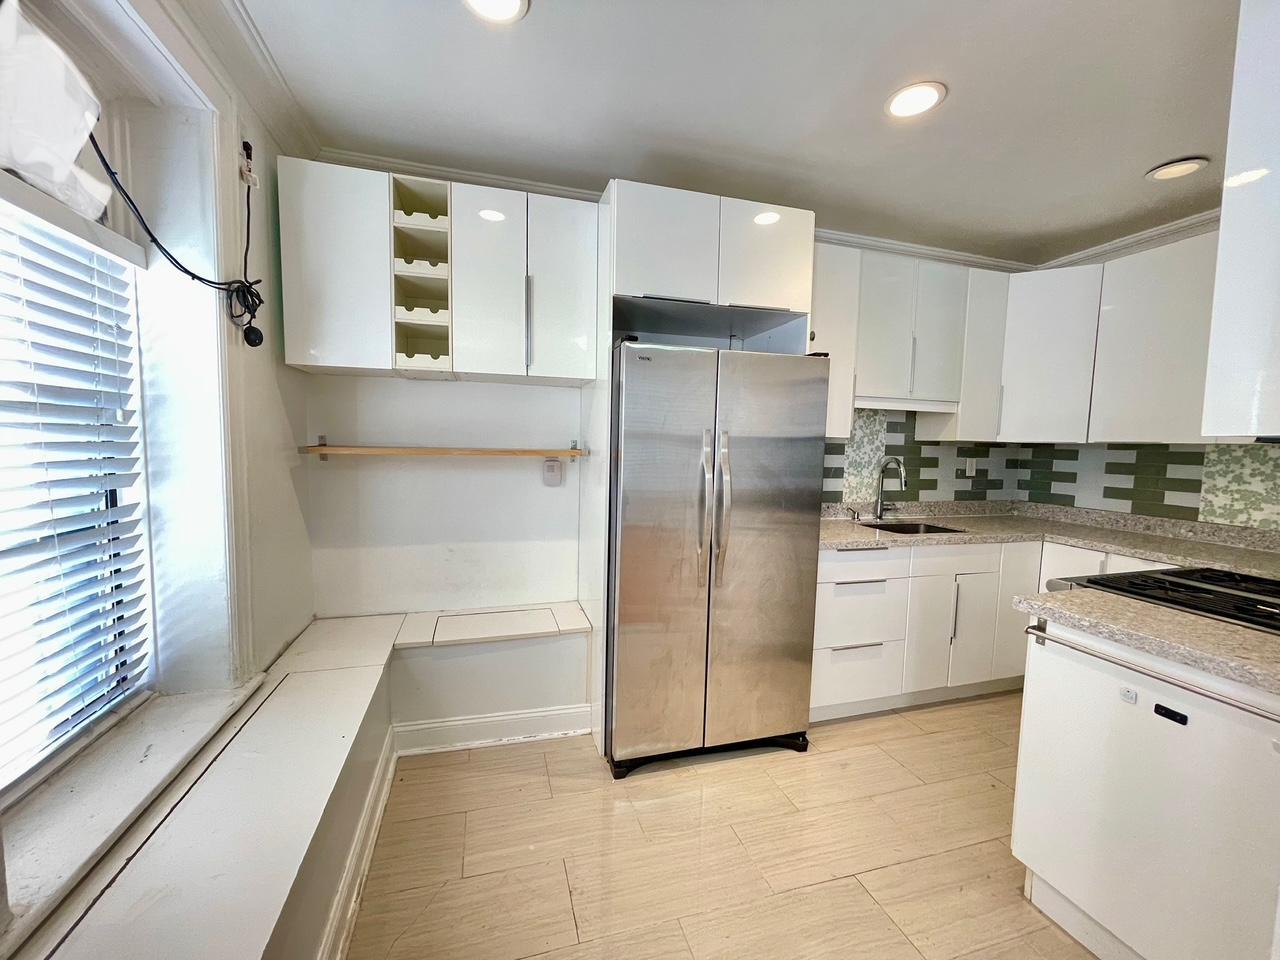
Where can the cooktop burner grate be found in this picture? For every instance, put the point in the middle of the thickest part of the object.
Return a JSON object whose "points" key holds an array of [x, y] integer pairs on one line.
{"points": [[1221, 594]]}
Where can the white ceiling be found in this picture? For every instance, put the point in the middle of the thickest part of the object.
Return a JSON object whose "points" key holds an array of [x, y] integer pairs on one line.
{"points": [[1055, 112]]}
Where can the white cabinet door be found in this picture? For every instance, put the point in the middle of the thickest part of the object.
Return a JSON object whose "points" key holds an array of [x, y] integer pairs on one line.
{"points": [[1164, 832], [833, 324], [931, 606], [1019, 577], [1119, 563], [766, 256], [562, 288], [666, 242], [335, 266], [938, 345], [1153, 341], [1051, 328], [860, 612], [973, 628], [886, 317], [986, 306], [1242, 389], [1061, 560], [488, 228]]}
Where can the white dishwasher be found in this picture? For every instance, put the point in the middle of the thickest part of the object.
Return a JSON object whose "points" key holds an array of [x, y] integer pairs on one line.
{"points": [[1155, 810]]}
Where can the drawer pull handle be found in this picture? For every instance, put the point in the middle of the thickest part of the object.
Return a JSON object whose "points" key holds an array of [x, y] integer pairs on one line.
{"points": [[854, 583], [878, 546], [858, 646]]}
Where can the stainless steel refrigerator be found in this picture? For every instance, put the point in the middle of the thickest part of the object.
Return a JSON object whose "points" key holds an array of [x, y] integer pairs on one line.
{"points": [[715, 498]]}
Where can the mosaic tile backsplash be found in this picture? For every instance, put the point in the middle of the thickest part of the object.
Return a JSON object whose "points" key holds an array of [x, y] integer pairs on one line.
{"points": [[1219, 483]]}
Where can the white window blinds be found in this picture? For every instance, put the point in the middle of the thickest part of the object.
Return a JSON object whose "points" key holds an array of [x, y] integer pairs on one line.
{"points": [[75, 630]]}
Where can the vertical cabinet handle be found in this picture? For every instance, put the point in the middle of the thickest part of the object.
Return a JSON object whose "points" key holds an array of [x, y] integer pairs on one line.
{"points": [[707, 495], [1000, 413], [911, 380], [955, 609], [528, 322], [726, 508]]}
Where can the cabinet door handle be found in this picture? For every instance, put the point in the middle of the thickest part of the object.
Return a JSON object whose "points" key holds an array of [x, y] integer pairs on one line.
{"points": [[851, 583], [528, 322], [955, 608], [1000, 413], [858, 646], [911, 380]]}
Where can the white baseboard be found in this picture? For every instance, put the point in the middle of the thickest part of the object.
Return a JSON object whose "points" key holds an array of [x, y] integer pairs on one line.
{"points": [[453, 733], [1100, 941], [857, 708], [346, 902]]}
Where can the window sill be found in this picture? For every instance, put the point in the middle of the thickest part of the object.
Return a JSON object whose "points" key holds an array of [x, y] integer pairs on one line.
{"points": [[55, 834]]}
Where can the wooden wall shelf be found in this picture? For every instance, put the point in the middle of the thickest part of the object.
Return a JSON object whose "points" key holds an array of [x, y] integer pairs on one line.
{"points": [[336, 450]]}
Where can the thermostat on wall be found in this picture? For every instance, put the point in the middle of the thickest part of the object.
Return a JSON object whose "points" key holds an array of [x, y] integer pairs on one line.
{"points": [[552, 472]]}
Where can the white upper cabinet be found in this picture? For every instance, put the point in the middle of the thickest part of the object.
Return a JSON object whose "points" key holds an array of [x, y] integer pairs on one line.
{"points": [[941, 291], [1153, 336], [561, 288], [833, 324], [911, 318], [489, 237], [666, 242], [1050, 331], [766, 256], [1242, 387], [978, 416], [886, 318], [335, 265]]}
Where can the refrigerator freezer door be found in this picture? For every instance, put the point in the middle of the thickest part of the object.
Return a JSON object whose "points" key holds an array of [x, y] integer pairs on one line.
{"points": [[770, 418], [665, 409]]}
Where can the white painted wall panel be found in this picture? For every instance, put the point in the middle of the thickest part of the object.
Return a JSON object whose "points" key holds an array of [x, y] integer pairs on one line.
{"points": [[403, 534]]}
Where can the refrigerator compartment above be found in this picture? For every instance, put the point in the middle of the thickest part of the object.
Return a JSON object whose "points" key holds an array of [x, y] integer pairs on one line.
{"points": [[681, 323]]}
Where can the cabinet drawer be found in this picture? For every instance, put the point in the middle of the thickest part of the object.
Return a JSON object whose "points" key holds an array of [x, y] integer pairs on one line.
{"points": [[955, 558], [860, 673], [845, 566], [862, 611]]}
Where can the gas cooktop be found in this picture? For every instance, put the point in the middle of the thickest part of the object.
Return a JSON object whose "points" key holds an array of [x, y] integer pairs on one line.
{"points": [[1233, 597]]}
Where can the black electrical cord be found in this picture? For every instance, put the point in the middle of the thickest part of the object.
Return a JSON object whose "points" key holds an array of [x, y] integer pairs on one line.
{"points": [[243, 297]]}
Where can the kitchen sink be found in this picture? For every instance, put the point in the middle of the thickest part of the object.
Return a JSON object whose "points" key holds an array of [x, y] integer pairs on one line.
{"points": [[907, 526]]}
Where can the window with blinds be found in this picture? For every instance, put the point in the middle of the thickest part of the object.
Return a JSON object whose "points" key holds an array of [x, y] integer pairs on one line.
{"points": [[75, 631]]}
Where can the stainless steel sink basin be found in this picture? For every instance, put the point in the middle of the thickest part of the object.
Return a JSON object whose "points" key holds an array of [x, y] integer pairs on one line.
{"points": [[907, 526]]}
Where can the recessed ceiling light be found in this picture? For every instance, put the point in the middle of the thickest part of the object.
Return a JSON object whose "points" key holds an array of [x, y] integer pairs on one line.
{"points": [[499, 11], [916, 99], [1245, 176], [1177, 168], [493, 216], [768, 217]]}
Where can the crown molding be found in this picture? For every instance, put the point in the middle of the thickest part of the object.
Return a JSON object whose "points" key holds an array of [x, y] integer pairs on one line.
{"points": [[1191, 226], [354, 158], [266, 90], [863, 242]]}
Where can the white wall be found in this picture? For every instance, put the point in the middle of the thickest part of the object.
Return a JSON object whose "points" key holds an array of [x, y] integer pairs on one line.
{"points": [[270, 417], [402, 534]]}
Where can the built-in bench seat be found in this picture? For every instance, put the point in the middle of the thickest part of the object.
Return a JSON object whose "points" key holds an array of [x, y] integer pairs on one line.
{"points": [[487, 624]]}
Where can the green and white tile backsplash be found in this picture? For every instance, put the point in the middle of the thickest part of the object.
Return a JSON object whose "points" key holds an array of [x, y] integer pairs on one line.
{"points": [[1219, 483]]}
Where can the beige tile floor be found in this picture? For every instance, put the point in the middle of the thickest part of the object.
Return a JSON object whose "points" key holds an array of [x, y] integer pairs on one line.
{"points": [[886, 841]]}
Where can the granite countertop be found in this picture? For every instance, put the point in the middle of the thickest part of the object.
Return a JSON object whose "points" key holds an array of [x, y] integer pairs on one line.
{"points": [[848, 535], [1220, 649]]}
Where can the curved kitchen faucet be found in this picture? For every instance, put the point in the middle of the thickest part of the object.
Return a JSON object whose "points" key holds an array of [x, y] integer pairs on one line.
{"points": [[902, 483]]}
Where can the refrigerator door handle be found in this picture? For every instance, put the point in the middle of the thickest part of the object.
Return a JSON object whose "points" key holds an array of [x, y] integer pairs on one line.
{"points": [[708, 495], [726, 507]]}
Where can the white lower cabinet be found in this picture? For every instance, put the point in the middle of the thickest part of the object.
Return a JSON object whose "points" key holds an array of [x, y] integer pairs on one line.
{"points": [[849, 674], [973, 629], [1062, 560], [1160, 824], [1019, 576], [930, 615], [852, 613]]}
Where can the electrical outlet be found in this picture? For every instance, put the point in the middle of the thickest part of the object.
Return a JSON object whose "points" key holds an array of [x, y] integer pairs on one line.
{"points": [[971, 468]]}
